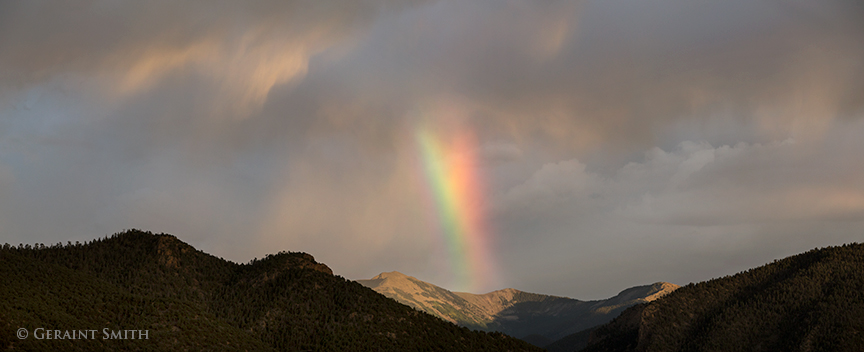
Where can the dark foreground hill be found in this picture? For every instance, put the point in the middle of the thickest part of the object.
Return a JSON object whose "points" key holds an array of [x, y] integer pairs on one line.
{"points": [[188, 300], [809, 302]]}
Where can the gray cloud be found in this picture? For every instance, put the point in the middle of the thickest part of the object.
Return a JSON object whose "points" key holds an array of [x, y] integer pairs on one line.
{"points": [[777, 198], [616, 140]]}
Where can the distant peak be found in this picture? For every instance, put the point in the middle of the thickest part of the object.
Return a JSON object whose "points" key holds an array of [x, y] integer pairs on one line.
{"points": [[505, 291], [646, 293], [661, 289], [390, 275]]}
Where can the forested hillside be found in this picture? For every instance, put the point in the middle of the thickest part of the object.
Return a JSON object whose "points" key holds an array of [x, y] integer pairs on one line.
{"points": [[190, 300], [809, 302]]}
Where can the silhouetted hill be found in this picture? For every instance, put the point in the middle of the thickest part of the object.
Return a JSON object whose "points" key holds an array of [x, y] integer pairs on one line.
{"points": [[808, 302], [190, 300], [572, 342], [539, 319]]}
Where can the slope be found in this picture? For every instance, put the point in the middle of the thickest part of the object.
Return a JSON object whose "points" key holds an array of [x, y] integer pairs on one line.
{"points": [[427, 297], [534, 317], [810, 302], [190, 300]]}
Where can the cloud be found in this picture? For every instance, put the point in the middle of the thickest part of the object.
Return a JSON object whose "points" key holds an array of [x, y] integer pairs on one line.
{"points": [[675, 202], [239, 53], [500, 152], [697, 184], [611, 134]]}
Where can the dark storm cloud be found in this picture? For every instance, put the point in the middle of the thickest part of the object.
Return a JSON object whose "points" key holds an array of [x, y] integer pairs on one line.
{"points": [[657, 131]]}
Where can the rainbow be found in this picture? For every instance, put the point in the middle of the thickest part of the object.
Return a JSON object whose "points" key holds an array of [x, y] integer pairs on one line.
{"points": [[452, 172]]}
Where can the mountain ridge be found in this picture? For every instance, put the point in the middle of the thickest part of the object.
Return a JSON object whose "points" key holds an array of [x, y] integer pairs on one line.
{"points": [[191, 300], [811, 301], [531, 316]]}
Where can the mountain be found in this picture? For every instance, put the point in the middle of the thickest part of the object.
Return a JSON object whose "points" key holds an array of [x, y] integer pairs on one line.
{"points": [[813, 301], [427, 297], [539, 319], [189, 300]]}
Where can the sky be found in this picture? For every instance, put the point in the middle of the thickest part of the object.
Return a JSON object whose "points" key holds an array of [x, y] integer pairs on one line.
{"points": [[574, 148]]}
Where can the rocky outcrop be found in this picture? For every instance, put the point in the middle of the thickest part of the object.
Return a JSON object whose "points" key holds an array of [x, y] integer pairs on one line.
{"points": [[307, 261]]}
